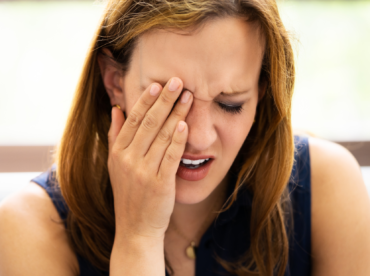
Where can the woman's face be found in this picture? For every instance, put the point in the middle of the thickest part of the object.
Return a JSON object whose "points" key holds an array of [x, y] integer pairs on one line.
{"points": [[220, 64]]}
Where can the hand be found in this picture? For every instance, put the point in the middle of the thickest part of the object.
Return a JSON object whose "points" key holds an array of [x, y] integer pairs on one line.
{"points": [[144, 154]]}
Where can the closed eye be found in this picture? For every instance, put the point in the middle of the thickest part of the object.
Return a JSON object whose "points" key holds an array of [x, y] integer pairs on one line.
{"points": [[233, 109]]}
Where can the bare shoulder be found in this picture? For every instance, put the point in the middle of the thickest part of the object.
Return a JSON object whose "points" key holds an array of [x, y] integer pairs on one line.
{"points": [[33, 239], [340, 212]]}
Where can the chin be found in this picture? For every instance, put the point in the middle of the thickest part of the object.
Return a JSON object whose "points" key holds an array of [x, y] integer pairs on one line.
{"points": [[191, 192]]}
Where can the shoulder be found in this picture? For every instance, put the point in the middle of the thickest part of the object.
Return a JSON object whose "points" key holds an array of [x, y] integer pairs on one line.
{"points": [[340, 212], [32, 231]]}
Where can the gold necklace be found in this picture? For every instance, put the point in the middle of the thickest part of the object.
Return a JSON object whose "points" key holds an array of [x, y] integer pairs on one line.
{"points": [[191, 250]]}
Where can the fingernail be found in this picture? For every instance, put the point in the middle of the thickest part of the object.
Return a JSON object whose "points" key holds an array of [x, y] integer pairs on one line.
{"points": [[154, 90], [181, 126], [185, 97], [174, 85]]}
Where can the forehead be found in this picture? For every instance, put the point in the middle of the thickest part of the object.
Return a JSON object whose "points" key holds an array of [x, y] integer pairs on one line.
{"points": [[221, 55]]}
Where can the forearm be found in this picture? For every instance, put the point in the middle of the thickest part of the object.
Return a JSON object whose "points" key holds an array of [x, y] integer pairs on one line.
{"points": [[138, 257]]}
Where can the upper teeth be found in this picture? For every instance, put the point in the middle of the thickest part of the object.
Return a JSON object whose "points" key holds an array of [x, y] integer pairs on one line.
{"points": [[193, 162]]}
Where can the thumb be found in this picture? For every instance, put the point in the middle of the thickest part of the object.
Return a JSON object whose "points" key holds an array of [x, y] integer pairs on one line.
{"points": [[118, 120]]}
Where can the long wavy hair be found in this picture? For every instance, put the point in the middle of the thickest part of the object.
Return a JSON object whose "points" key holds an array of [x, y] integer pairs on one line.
{"points": [[264, 162]]}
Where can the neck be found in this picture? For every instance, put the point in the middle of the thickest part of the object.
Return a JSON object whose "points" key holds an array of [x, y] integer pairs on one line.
{"points": [[190, 218]]}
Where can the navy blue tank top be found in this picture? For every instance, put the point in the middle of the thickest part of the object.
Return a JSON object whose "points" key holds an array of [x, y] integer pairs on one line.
{"points": [[229, 235]]}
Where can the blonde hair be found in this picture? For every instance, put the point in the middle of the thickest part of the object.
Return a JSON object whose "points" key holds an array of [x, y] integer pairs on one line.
{"points": [[264, 163]]}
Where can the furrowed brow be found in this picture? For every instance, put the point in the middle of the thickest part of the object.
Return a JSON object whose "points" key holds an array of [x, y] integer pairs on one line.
{"points": [[225, 94], [161, 82]]}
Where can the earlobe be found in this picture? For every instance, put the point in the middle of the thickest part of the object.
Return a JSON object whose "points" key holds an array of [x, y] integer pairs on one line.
{"points": [[111, 77]]}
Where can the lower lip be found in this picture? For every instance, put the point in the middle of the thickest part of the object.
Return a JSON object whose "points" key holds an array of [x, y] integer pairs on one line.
{"points": [[194, 174]]}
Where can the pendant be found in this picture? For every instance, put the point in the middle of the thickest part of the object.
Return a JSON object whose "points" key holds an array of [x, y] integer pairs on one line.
{"points": [[191, 251]]}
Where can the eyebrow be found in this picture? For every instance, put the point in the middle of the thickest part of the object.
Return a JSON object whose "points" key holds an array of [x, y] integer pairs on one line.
{"points": [[234, 93]]}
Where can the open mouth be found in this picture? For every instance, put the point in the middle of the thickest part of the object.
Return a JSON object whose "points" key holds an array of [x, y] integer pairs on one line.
{"points": [[194, 170], [193, 164]]}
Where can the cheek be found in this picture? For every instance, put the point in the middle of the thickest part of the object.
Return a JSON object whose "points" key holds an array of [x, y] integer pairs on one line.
{"points": [[130, 104], [131, 97], [235, 128], [131, 92], [233, 133]]}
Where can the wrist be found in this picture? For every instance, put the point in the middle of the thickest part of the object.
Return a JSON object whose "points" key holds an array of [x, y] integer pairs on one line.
{"points": [[137, 255], [137, 241], [124, 233]]}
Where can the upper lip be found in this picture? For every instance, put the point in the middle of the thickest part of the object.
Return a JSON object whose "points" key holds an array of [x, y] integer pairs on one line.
{"points": [[197, 157]]}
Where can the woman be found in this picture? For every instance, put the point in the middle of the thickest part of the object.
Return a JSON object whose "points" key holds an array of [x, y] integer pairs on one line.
{"points": [[178, 157]]}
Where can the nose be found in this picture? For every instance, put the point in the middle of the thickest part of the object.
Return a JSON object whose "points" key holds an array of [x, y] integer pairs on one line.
{"points": [[202, 132]]}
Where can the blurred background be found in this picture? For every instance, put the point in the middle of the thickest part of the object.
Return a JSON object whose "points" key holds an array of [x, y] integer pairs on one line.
{"points": [[43, 45]]}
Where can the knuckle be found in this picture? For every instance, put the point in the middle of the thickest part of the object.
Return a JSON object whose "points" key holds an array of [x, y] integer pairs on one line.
{"points": [[126, 164], [164, 136], [177, 113], [149, 121], [165, 99], [178, 141], [146, 102], [127, 160], [133, 119], [115, 152], [149, 166], [141, 176], [171, 156]]}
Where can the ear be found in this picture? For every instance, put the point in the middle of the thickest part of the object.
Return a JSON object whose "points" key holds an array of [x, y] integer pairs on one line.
{"points": [[112, 78]]}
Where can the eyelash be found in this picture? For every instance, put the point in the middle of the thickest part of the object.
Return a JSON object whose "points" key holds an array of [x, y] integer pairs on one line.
{"points": [[231, 108]]}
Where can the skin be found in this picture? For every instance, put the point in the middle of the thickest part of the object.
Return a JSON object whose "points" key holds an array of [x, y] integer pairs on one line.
{"points": [[212, 60]]}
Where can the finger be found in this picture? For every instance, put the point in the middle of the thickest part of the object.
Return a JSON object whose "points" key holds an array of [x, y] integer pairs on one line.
{"points": [[158, 148], [117, 122], [156, 116], [172, 157], [137, 113]]}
